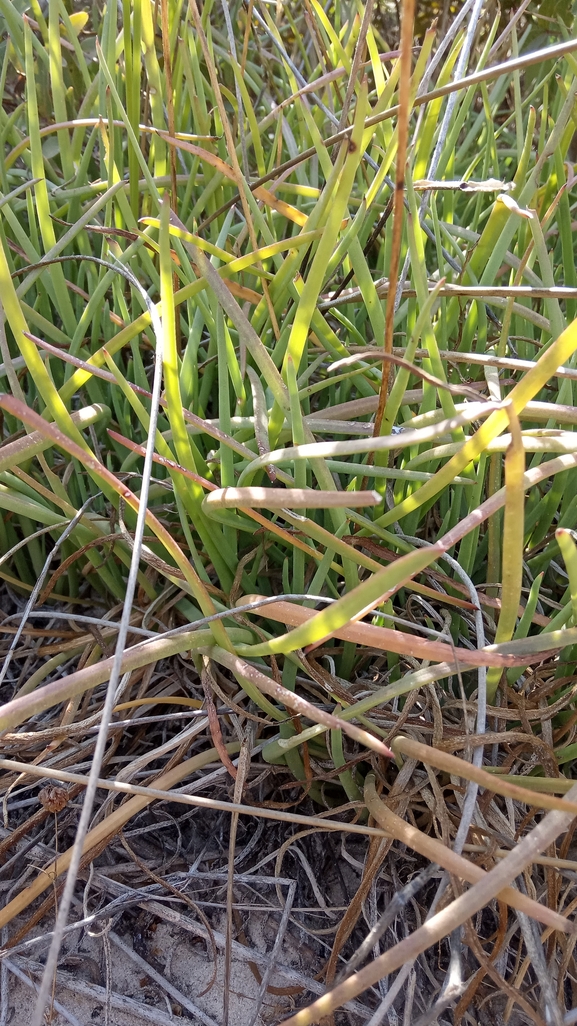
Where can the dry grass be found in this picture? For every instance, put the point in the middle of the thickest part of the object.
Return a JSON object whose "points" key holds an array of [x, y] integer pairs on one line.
{"points": [[258, 259]]}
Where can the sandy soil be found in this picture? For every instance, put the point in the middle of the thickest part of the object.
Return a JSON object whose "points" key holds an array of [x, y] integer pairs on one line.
{"points": [[137, 996], [188, 972]]}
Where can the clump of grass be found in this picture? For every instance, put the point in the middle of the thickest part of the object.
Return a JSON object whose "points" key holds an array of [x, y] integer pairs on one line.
{"points": [[288, 334]]}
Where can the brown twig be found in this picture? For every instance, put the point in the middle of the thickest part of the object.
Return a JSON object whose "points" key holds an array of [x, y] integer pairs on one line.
{"points": [[407, 25]]}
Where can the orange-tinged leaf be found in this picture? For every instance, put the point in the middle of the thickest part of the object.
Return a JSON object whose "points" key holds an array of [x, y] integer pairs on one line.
{"points": [[286, 209], [241, 292]]}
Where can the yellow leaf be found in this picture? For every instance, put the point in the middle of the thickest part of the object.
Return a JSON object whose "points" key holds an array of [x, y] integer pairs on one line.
{"points": [[78, 21]]}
